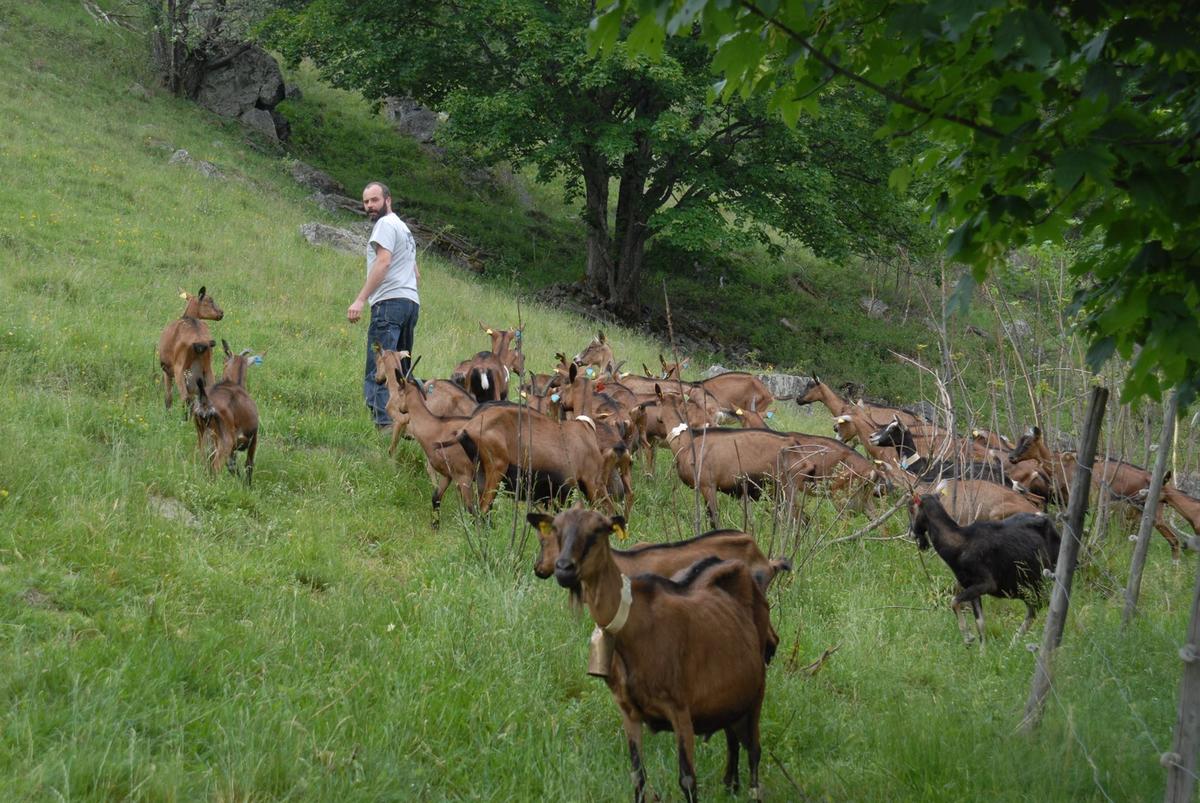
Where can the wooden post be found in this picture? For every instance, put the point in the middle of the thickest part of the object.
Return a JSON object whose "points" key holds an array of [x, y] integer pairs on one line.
{"points": [[1133, 588], [1068, 554], [1181, 761]]}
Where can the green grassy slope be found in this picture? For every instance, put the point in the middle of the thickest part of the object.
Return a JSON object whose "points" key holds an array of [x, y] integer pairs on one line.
{"points": [[165, 635]]}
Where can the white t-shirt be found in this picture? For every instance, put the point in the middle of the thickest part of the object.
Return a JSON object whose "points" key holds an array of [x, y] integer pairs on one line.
{"points": [[400, 281]]}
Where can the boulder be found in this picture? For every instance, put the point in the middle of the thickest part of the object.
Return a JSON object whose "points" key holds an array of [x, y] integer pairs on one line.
{"points": [[260, 120], [308, 176], [206, 169], [412, 119], [348, 240], [250, 79], [292, 92], [1021, 329], [785, 384]]}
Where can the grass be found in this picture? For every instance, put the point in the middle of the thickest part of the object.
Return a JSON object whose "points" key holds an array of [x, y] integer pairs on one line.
{"points": [[166, 635]]}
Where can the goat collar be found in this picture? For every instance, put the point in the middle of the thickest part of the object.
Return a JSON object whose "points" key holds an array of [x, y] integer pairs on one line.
{"points": [[905, 462], [618, 621], [674, 433]]}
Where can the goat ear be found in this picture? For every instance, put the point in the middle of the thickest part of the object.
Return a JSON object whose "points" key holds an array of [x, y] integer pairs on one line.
{"points": [[562, 358], [572, 372], [600, 337], [543, 523], [816, 379], [201, 293], [1037, 432], [225, 345], [658, 391], [618, 527]]}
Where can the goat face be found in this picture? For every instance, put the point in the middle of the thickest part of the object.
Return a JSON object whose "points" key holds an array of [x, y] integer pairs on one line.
{"points": [[582, 539], [1027, 446], [203, 307], [891, 435], [919, 524], [543, 565]]}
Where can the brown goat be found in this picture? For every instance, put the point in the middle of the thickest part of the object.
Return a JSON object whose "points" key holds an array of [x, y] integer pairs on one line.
{"points": [[818, 391], [500, 435], [442, 397], [227, 415], [445, 460], [185, 347], [969, 501], [598, 355], [1121, 481], [738, 462], [669, 558], [688, 656], [502, 346], [1186, 506]]}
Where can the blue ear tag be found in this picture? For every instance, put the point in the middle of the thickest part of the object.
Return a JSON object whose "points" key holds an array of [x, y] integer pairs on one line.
{"points": [[591, 372], [554, 397], [428, 388], [769, 414], [256, 360], [518, 334]]}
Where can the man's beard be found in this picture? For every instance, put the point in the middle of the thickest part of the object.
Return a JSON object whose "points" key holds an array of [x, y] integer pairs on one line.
{"points": [[374, 216]]}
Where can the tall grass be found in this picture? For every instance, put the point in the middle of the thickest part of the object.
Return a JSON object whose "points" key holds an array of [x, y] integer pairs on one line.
{"points": [[166, 635]]}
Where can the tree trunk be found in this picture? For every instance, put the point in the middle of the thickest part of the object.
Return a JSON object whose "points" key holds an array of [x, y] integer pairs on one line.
{"points": [[614, 260]]}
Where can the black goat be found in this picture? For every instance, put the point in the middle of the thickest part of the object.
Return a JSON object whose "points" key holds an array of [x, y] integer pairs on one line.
{"points": [[1002, 558], [927, 468]]}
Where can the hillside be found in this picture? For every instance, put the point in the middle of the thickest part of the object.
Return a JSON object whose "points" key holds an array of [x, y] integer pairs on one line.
{"points": [[167, 635]]}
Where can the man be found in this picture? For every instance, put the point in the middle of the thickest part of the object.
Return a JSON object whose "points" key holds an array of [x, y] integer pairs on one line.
{"points": [[390, 290]]}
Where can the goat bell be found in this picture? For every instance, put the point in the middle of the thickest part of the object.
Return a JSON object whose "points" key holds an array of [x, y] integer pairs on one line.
{"points": [[600, 653]]}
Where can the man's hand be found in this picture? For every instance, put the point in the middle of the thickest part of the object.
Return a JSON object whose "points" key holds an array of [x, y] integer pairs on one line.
{"points": [[354, 311]]}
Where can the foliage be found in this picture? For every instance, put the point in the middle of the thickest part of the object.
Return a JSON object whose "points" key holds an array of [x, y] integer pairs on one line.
{"points": [[704, 177], [188, 36], [1039, 120]]}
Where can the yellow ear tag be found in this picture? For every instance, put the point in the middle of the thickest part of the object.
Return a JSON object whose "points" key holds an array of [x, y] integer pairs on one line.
{"points": [[944, 492], [489, 331], [622, 533], [545, 527], [738, 411], [183, 296]]}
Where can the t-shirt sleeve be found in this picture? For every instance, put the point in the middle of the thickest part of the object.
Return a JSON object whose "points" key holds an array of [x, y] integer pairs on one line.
{"points": [[386, 237]]}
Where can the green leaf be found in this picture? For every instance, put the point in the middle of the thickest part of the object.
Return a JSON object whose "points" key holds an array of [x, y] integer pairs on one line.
{"points": [[1075, 163], [959, 302]]}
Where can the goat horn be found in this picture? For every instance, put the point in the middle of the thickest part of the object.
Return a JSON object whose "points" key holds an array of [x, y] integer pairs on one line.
{"points": [[412, 366]]}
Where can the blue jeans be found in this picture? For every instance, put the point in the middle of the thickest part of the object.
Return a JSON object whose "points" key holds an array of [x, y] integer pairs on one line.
{"points": [[392, 323]]}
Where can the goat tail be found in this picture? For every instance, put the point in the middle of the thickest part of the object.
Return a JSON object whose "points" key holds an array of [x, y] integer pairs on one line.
{"points": [[466, 442]]}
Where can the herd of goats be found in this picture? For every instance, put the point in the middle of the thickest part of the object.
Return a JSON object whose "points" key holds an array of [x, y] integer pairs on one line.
{"points": [[683, 633]]}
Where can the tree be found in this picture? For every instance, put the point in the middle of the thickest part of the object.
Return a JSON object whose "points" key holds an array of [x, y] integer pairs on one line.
{"points": [[522, 87], [191, 37], [1036, 118]]}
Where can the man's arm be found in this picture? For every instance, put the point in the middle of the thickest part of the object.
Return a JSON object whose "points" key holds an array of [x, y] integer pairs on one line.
{"points": [[379, 269]]}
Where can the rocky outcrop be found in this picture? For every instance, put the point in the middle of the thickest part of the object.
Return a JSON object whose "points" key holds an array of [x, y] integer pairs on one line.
{"points": [[349, 240], [412, 119], [206, 169], [246, 84]]}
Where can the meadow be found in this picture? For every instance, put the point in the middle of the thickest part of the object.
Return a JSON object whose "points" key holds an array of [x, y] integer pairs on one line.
{"points": [[169, 635]]}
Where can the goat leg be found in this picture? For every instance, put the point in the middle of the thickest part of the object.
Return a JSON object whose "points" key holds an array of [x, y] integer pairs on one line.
{"points": [[633, 735], [732, 746], [681, 723], [968, 637], [1030, 612], [251, 447], [1168, 534]]}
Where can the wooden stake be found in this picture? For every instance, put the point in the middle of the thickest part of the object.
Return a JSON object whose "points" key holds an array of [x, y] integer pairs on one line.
{"points": [[1133, 588], [1181, 761], [1068, 554]]}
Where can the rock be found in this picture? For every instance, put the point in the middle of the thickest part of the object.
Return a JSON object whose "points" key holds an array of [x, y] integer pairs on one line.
{"points": [[206, 169], [138, 91], [503, 176], [348, 240], [714, 370], [923, 408], [292, 92], [1021, 329], [251, 79], [283, 129], [308, 176], [412, 119], [873, 307], [785, 384], [172, 510], [261, 121]]}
